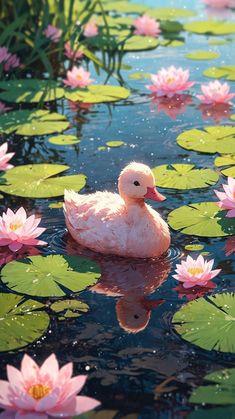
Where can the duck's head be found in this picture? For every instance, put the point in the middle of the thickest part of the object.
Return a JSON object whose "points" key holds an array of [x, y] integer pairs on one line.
{"points": [[136, 182]]}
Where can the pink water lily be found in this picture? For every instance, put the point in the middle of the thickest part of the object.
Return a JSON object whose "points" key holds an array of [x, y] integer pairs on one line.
{"points": [[192, 272], [4, 108], [90, 29], [16, 230], [5, 157], [8, 60], [73, 53], [170, 81], [78, 77], [146, 26], [219, 4], [227, 198], [215, 92], [53, 33], [35, 392]]}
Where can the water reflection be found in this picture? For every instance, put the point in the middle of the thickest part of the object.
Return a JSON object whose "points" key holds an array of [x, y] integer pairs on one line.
{"points": [[171, 106], [6, 255], [217, 112], [195, 292]]}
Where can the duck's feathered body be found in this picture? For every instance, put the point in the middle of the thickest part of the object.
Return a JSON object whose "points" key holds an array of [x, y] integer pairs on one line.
{"points": [[107, 223]]}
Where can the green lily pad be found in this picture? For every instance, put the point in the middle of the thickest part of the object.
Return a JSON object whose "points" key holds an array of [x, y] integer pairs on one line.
{"points": [[202, 55], [208, 323], [210, 27], [217, 413], [139, 76], [226, 160], [171, 27], [114, 144], [56, 205], [218, 72], [218, 42], [50, 276], [217, 139], [184, 176], [28, 123], [230, 171], [64, 139], [203, 219], [232, 117], [219, 389], [170, 13], [30, 90], [102, 148], [140, 43], [124, 7], [69, 308], [36, 181], [174, 43], [194, 247], [21, 321], [98, 94]]}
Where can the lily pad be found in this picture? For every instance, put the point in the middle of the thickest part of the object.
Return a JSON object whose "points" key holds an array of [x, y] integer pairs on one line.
{"points": [[217, 413], [218, 72], [69, 308], [202, 55], [140, 43], [56, 205], [217, 139], [31, 123], [21, 321], [30, 90], [184, 176], [208, 323], [194, 247], [219, 389], [226, 160], [98, 94], [124, 7], [139, 76], [64, 139], [38, 181], [50, 276], [210, 27], [170, 13], [114, 144], [203, 219]]}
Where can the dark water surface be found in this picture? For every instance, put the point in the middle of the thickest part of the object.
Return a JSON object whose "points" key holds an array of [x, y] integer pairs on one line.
{"points": [[126, 342]]}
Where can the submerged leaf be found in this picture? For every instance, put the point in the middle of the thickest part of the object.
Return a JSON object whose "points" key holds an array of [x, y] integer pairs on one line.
{"points": [[208, 323], [204, 219], [30, 90], [21, 321], [184, 176], [98, 94], [36, 181], [50, 276]]}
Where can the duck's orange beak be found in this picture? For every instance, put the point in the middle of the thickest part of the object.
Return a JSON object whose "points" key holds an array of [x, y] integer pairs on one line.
{"points": [[153, 194]]}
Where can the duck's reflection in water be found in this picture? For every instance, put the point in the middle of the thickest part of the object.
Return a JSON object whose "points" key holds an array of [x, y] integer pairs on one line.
{"points": [[130, 281]]}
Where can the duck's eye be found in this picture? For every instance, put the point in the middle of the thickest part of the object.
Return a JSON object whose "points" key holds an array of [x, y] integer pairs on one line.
{"points": [[136, 183]]}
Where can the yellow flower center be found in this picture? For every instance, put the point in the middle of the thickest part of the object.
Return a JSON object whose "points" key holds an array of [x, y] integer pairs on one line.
{"points": [[170, 80], [38, 391], [78, 77], [15, 226], [195, 271]]}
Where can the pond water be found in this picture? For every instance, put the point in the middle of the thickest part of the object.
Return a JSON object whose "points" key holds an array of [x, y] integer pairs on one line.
{"points": [[138, 365]]}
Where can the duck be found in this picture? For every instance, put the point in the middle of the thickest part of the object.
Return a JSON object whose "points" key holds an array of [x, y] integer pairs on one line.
{"points": [[120, 224]]}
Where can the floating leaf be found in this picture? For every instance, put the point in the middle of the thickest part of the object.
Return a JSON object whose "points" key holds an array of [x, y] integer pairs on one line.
{"points": [[29, 123], [171, 43], [56, 205], [36, 181], [226, 160], [218, 72], [139, 76], [140, 43], [217, 139], [171, 26], [70, 308], [170, 13], [208, 323], [21, 321], [124, 7], [217, 413], [229, 172], [210, 27], [64, 139], [218, 42], [49, 276], [98, 94], [204, 219], [194, 247], [184, 176], [115, 143], [101, 148], [202, 55], [30, 90]]}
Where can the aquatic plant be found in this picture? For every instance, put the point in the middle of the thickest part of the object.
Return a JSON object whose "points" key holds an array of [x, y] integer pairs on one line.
{"points": [[215, 92], [53, 33], [36, 392], [78, 77], [170, 81], [147, 26], [227, 198], [8, 60], [192, 272], [16, 230], [5, 157], [72, 52]]}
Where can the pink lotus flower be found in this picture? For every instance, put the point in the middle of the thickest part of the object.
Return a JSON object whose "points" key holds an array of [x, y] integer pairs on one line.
{"points": [[4, 108], [172, 106], [72, 53], [17, 230], [36, 393], [5, 157], [218, 4], [4, 54], [195, 292], [230, 246], [227, 198], [194, 272], [147, 26], [78, 77], [53, 33], [215, 92], [217, 111], [8, 60], [91, 29], [170, 81]]}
